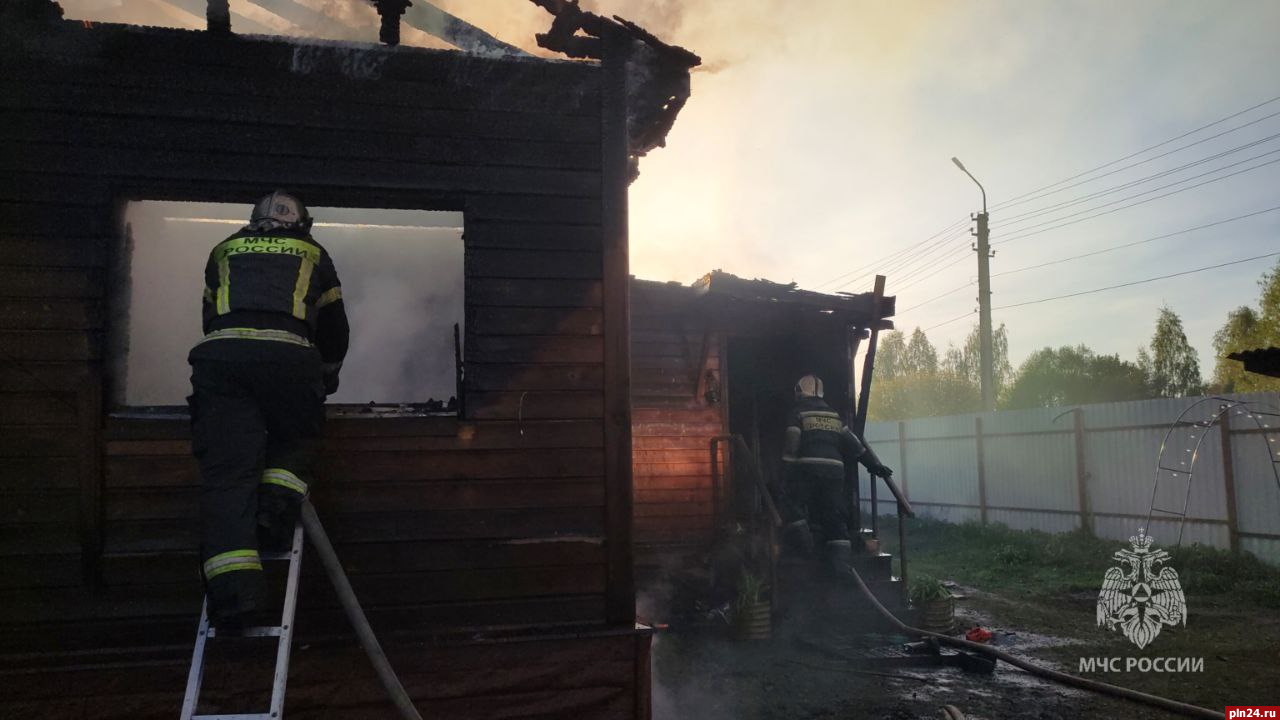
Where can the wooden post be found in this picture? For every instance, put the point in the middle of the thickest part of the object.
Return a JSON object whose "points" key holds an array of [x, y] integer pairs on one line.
{"points": [[869, 363], [217, 15], [620, 596], [1229, 480], [1082, 473], [859, 424], [852, 493], [982, 472], [643, 679]]}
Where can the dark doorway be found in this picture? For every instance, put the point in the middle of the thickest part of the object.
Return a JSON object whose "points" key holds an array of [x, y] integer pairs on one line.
{"points": [[762, 372]]}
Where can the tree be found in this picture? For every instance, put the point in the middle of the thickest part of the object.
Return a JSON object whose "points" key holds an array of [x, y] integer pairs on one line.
{"points": [[1239, 333], [920, 357], [1074, 376], [1248, 328], [966, 362], [909, 382], [913, 396], [1171, 365], [890, 351]]}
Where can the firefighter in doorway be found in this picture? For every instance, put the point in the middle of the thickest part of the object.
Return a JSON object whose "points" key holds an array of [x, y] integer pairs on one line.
{"points": [[816, 450], [275, 334]]}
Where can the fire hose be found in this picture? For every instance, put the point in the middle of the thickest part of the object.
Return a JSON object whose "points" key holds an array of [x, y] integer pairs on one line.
{"points": [[328, 558], [1061, 677]]}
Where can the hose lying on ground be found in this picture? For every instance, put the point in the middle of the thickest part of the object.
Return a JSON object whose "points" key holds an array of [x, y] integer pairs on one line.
{"points": [[328, 558], [1064, 678]]}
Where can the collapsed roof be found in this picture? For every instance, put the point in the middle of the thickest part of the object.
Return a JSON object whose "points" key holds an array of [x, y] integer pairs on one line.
{"points": [[759, 306]]}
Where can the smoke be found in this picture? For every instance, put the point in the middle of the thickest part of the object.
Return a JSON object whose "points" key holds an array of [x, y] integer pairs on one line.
{"points": [[402, 277]]}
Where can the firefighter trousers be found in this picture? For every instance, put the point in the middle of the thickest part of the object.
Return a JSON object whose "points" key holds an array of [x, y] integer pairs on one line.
{"points": [[818, 495], [256, 427]]}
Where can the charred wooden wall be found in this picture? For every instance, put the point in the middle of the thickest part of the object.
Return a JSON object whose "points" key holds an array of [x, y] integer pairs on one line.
{"points": [[495, 519], [672, 422]]}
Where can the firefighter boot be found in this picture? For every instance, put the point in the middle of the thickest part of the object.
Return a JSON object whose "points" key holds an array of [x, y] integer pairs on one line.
{"points": [[797, 538], [838, 557]]}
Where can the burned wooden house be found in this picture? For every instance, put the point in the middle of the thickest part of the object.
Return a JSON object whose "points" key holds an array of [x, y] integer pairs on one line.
{"points": [[713, 368], [500, 535]]}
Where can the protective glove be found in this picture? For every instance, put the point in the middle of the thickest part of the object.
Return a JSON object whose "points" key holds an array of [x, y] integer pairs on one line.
{"points": [[881, 471], [331, 377]]}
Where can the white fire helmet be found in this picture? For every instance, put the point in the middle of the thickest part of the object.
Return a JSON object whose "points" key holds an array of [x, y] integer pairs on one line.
{"points": [[280, 210], [809, 386]]}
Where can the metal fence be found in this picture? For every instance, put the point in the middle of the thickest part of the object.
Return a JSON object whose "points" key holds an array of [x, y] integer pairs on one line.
{"points": [[1056, 469]]}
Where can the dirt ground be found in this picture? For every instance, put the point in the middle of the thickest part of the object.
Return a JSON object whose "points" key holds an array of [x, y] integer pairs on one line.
{"points": [[1048, 616]]}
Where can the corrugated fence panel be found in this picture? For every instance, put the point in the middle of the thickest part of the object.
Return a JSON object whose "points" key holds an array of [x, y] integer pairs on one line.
{"points": [[1029, 469]]}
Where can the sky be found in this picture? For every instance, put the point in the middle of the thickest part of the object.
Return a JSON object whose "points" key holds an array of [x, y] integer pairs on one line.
{"points": [[819, 135]]}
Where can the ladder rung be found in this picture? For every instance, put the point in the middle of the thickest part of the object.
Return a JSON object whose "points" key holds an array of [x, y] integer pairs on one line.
{"points": [[1182, 471], [260, 631], [239, 716], [1168, 512]]}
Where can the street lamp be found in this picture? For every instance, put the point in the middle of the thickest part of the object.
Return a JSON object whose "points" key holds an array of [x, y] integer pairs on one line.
{"points": [[965, 170], [986, 353]]}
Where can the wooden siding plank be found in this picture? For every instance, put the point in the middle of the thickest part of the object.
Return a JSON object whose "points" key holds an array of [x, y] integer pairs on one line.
{"points": [[481, 234], [32, 442], [49, 314], [346, 436], [314, 72], [25, 163], [49, 345], [165, 134], [47, 253], [49, 282], [535, 405], [360, 467], [37, 408], [533, 321], [170, 535], [170, 503], [533, 293], [555, 264], [510, 377], [544, 349], [42, 474]]}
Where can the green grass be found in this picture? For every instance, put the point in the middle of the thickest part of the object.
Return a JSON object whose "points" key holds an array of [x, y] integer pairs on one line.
{"points": [[1048, 584], [1028, 563]]}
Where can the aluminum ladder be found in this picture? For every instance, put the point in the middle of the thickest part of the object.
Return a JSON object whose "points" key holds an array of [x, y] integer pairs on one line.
{"points": [[282, 632]]}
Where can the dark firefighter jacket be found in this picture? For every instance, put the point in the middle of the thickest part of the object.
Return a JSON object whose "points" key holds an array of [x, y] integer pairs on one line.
{"points": [[282, 285], [818, 441]]}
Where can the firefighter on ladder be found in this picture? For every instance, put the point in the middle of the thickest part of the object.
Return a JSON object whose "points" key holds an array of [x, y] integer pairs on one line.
{"points": [[816, 450], [275, 334]]}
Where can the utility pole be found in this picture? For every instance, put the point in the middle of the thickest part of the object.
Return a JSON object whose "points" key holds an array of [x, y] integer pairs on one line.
{"points": [[986, 360]]}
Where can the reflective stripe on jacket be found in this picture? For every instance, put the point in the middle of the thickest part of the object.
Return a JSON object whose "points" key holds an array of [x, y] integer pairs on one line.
{"points": [[281, 280], [817, 437]]}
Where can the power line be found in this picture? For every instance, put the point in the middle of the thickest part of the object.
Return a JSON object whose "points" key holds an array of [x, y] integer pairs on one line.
{"points": [[915, 276], [1142, 162], [940, 296], [862, 269], [1136, 282], [1162, 187], [948, 322], [1136, 242], [1125, 207], [1133, 183], [923, 257], [1006, 203]]}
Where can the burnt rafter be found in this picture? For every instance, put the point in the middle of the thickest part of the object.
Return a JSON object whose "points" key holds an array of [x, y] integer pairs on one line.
{"points": [[390, 12], [658, 73]]}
